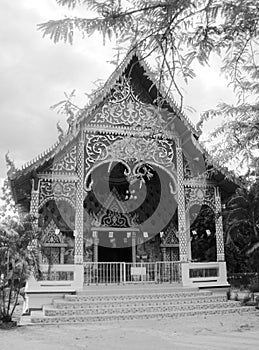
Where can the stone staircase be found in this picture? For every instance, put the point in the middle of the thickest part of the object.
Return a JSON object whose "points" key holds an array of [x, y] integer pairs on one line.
{"points": [[110, 305]]}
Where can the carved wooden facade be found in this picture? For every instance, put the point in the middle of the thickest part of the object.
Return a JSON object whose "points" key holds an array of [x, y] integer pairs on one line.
{"points": [[125, 124]]}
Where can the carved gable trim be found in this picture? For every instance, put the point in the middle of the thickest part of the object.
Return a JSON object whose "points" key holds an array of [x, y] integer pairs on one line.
{"points": [[114, 214], [199, 196], [170, 237], [56, 190], [50, 236], [65, 163]]}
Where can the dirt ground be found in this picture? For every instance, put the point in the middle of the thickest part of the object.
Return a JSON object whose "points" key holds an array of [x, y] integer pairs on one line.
{"points": [[226, 332]]}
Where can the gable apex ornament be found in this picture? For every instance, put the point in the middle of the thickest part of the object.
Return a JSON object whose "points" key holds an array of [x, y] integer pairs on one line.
{"points": [[10, 165]]}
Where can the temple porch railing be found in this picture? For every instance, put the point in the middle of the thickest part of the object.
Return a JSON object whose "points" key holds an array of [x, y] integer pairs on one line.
{"points": [[121, 272]]}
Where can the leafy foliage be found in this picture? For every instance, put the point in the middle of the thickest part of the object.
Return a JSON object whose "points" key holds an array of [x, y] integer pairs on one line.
{"points": [[236, 259], [19, 256], [203, 245], [8, 210], [242, 224], [236, 139]]}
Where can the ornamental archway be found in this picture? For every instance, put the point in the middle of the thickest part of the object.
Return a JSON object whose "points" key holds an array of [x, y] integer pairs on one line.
{"points": [[116, 204]]}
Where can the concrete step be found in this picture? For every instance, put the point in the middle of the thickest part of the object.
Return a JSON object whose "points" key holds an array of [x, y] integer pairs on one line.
{"points": [[39, 318], [137, 296], [129, 309], [134, 288], [64, 304]]}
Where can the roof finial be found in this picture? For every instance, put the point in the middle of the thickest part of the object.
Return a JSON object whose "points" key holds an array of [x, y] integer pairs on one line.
{"points": [[61, 134], [10, 165]]}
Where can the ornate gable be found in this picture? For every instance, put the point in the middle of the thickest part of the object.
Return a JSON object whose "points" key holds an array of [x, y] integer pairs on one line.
{"points": [[114, 213], [123, 108], [170, 237], [51, 237], [66, 162]]}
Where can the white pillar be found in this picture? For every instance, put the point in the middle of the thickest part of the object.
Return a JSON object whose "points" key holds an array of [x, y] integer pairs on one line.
{"points": [[219, 227], [181, 206], [96, 242], [79, 219], [133, 242], [188, 237], [34, 208], [34, 204]]}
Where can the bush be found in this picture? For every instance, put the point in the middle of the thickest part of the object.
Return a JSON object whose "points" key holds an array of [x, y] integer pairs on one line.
{"points": [[243, 280], [18, 259]]}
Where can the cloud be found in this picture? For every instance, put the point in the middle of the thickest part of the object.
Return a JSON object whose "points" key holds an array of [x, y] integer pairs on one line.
{"points": [[34, 74]]}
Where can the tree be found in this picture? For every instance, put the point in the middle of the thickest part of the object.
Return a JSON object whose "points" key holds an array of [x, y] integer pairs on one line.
{"points": [[176, 33], [203, 243], [19, 257], [236, 139], [242, 223], [8, 210]]}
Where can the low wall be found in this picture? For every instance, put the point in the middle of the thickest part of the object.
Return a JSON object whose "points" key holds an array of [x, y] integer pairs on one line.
{"points": [[207, 274], [56, 281]]}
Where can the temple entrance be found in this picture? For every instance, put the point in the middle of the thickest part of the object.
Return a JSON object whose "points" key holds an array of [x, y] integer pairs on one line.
{"points": [[114, 245], [107, 254], [128, 213]]}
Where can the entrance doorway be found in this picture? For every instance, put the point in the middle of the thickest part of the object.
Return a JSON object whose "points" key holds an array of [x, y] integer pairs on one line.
{"points": [[107, 254]]}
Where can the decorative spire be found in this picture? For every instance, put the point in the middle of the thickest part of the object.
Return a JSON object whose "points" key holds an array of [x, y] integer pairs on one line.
{"points": [[61, 133], [10, 165]]}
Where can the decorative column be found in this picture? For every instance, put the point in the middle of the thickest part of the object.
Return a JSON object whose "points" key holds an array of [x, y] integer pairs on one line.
{"points": [[164, 254], [181, 205], [96, 242], [62, 253], [133, 240], [34, 209], [79, 219], [219, 226], [188, 236], [34, 205]]}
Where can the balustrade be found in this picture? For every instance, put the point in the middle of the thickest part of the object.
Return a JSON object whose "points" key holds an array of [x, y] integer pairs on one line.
{"points": [[120, 272]]}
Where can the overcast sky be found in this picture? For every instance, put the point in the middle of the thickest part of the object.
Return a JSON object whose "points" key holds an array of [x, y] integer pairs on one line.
{"points": [[34, 73]]}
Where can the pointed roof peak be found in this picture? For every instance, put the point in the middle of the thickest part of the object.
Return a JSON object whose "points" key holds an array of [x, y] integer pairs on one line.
{"points": [[149, 75]]}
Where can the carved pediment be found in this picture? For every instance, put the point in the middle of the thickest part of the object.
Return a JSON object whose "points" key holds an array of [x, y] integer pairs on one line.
{"points": [[51, 236], [65, 162], [170, 236], [114, 213], [123, 108]]}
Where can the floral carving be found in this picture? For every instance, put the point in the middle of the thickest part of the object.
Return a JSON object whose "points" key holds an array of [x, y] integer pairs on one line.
{"points": [[57, 190], [124, 108], [96, 148], [141, 150], [199, 196], [128, 149], [170, 236], [67, 163], [114, 219], [50, 234]]}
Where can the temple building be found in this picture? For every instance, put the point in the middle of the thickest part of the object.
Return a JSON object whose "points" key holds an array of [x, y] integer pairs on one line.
{"points": [[127, 195]]}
